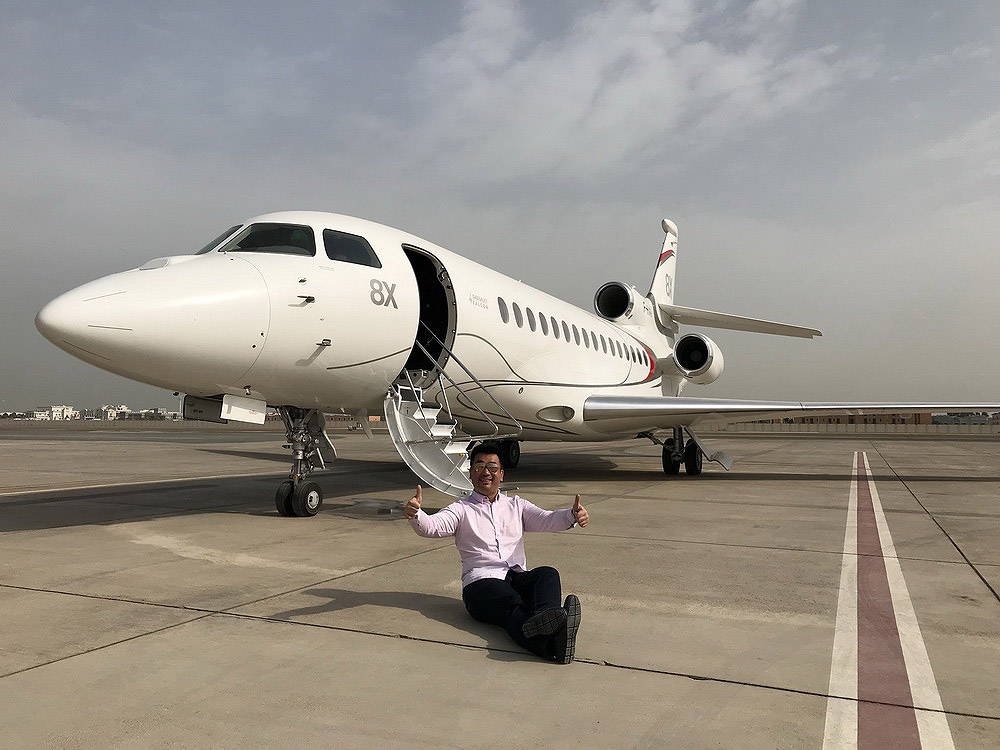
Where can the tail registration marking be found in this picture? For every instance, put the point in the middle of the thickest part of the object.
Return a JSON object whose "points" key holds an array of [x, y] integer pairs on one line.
{"points": [[882, 688]]}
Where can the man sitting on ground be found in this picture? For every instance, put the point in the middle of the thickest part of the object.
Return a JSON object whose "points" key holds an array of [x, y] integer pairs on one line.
{"points": [[497, 587]]}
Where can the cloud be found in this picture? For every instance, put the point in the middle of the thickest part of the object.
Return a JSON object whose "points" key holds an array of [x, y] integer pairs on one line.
{"points": [[976, 147], [626, 82]]}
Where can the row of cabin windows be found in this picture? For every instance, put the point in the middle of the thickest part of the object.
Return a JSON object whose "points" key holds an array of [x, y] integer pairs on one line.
{"points": [[560, 330]]}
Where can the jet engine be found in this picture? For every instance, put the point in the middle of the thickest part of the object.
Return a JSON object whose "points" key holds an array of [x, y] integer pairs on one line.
{"points": [[697, 358], [617, 301]]}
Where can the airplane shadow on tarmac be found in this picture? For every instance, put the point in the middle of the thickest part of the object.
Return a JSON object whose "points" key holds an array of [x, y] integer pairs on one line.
{"points": [[446, 610], [349, 478]]}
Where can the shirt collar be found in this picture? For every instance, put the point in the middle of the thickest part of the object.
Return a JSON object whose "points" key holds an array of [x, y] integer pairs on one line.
{"points": [[478, 497]]}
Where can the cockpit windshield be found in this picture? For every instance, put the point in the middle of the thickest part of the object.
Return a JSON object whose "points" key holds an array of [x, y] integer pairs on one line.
{"points": [[215, 243], [288, 239]]}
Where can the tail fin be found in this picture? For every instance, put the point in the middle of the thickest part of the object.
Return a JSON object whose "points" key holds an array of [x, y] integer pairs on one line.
{"points": [[662, 287]]}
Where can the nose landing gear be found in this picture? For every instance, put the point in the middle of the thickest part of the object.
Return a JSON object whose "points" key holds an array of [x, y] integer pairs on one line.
{"points": [[304, 430]]}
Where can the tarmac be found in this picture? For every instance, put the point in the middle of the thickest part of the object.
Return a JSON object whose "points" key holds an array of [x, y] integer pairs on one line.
{"points": [[151, 597]]}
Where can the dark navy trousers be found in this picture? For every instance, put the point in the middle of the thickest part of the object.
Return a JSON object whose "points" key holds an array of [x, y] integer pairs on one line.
{"points": [[511, 601]]}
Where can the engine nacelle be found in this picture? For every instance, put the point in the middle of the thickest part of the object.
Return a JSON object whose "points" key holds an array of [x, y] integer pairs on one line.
{"points": [[618, 302], [698, 358]]}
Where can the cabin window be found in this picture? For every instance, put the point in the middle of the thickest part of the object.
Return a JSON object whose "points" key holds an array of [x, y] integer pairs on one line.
{"points": [[555, 328], [604, 344], [531, 318], [283, 239], [593, 339], [619, 345], [565, 331], [349, 248], [576, 334], [544, 324], [518, 318], [218, 240], [502, 307], [586, 338]]}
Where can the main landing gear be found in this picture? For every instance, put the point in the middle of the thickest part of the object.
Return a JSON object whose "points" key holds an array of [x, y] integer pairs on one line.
{"points": [[676, 452], [510, 453], [304, 430]]}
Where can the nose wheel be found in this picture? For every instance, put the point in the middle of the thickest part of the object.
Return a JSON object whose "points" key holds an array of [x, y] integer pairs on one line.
{"points": [[304, 430]]}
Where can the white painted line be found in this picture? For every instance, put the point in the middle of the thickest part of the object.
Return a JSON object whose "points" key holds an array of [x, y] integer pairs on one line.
{"points": [[841, 730], [931, 722], [843, 726], [134, 483]]}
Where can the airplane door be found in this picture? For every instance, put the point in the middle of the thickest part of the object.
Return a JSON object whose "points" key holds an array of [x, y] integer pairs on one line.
{"points": [[437, 323]]}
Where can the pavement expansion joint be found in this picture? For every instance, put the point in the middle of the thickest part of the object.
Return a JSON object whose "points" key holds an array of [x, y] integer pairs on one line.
{"points": [[949, 537]]}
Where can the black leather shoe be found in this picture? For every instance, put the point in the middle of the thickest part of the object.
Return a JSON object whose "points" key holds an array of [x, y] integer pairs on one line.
{"points": [[546, 622], [565, 645]]}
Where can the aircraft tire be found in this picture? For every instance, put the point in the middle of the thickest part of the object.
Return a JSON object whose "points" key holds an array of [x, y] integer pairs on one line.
{"points": [[307, 499], [692, 458], [511, 454], [283, 498], [671, 465]]}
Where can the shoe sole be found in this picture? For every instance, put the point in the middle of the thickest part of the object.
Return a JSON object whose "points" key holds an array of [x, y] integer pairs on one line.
{"points": [[574, 613], [544, 623]]}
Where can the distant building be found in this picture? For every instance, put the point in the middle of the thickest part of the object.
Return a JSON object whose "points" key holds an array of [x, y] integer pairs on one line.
{"points": [[921, 418], [974, 418], [112, 412], [47, 413]]}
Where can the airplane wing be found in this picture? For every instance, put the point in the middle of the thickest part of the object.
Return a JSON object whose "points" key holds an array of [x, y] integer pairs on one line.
{"points": [[667, 411]]}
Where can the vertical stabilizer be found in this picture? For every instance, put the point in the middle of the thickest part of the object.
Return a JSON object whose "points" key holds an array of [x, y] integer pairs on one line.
{"points": [[662, 287]]}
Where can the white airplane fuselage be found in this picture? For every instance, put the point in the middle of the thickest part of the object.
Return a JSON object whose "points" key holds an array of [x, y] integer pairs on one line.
{"points": [[316, 331]]}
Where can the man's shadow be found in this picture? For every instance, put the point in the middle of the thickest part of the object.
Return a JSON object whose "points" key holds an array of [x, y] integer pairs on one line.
{"points": [[444, 609]]}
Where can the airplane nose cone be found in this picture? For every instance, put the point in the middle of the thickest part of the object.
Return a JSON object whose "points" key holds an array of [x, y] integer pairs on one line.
{"points": [[195, 326], [66, 322], [54, 320]]}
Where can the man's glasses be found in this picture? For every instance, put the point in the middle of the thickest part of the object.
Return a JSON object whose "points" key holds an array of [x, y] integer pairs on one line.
{"points": [[480, 465]]}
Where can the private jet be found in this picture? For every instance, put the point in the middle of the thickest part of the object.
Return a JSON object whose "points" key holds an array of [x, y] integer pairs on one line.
{"points": [[315, 313]]}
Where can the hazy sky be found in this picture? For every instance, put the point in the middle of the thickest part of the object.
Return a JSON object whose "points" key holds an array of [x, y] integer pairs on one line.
{"points": [[833, 164]]}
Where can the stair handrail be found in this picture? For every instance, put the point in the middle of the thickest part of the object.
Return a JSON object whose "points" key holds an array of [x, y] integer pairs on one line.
{"points": [[439, 370]]}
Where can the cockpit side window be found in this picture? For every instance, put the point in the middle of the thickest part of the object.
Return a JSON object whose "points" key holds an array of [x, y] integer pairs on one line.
{"points": [[286, 239], [349, 248], [218, 240]]}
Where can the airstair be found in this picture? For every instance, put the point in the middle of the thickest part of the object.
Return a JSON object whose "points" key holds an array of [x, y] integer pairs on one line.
{"points": [[426, 432]]}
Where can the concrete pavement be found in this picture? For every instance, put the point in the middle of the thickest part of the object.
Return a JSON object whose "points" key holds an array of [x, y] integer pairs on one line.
{"points": [[188, 614]]}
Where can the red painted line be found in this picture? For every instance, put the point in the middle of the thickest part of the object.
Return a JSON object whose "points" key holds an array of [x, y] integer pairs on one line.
{"points": [[882, 675]]}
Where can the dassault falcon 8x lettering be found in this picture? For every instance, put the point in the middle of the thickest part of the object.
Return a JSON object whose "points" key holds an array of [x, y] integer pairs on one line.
{"points": [[312, 313]]}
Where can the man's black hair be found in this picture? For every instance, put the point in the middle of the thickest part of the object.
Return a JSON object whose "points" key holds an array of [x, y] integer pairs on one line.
{"points": [[490, 446]]}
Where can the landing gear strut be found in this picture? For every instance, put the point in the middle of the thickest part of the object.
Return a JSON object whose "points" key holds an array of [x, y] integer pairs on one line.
{"points": [[676, 452], [304, 431]]}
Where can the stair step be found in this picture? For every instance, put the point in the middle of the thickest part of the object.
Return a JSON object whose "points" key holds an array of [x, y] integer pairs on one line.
{"points": [[439, 461]]}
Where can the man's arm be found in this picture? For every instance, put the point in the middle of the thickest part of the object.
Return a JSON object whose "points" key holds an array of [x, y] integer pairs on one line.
{"points": [[536, 519], [442, 523]]}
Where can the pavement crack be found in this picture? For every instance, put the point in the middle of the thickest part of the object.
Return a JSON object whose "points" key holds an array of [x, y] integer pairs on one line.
{"points": [[937, 523]]}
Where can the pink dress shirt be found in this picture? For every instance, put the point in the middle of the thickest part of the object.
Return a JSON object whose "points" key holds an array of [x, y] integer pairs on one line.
{"points": [[490, 535]]}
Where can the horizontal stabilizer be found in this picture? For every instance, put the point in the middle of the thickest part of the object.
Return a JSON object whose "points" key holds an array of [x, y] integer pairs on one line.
{"points": [[708, 319], [667, 411]]}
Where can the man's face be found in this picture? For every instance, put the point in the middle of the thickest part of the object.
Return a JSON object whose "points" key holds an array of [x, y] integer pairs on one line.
{"points": [[486, 474]]}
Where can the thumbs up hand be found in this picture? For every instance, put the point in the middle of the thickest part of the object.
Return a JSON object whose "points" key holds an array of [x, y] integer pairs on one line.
{"points": [[580, 513], [413, 505]]}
